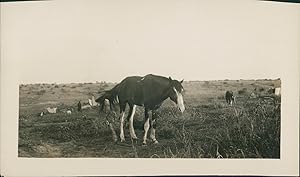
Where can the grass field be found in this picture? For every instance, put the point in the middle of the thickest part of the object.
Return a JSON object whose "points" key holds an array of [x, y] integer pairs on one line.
{"points": [[209, 128]]}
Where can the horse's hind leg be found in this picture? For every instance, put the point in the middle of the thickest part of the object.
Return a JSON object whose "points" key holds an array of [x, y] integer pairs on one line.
{"points": [[122, 114], [153, 126], [146, 126], [131, 115]]}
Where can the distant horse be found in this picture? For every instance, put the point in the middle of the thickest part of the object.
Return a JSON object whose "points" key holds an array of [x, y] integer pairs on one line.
{"points": [[149, 91], [229, 97]]}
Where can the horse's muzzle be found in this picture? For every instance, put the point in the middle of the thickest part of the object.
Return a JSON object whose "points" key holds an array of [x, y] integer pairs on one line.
{"points": [[181, 107]]}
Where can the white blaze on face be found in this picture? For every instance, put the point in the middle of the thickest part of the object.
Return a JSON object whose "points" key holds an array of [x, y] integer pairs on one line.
{"points": [[179, 100]]}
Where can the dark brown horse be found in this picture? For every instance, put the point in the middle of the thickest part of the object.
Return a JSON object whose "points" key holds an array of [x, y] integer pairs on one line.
{"points": [[229, 97], [149, 91]]}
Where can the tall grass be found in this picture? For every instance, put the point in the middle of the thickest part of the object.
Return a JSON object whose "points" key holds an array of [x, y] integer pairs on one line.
{"points": [[251, 131], [209, 128]]}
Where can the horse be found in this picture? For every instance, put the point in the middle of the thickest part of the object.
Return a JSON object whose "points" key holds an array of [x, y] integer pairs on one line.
{"points": [[149, 92], [229, 97]]}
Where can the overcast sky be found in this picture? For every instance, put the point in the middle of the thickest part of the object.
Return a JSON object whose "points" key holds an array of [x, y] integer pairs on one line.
{"points": [[87, 41]]}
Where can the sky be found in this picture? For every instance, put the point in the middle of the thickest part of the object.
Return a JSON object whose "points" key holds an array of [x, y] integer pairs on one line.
{"points": [[101, 40]]}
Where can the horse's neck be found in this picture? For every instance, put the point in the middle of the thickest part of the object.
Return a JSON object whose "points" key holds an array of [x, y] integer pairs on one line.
{"points": [[162, 97], [165, 94]]}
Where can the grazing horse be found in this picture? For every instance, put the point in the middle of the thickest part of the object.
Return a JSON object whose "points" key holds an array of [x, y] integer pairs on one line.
{"points": [[149, 91], [229, 97]]}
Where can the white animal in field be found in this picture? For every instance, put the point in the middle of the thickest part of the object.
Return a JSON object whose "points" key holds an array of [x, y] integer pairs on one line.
{"points": [[86, 106], [92, 102], [52, 110], [69, 112], [253, 95], [277, 91]]}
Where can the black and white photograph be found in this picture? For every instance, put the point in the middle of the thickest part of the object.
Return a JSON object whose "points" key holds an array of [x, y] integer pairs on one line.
{"points": [[151, 116], [166, 86], [173, 80]]}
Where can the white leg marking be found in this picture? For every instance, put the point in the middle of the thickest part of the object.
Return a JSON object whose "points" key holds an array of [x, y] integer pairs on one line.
{"points": [[152, 135], [146, 128], [180, 103], [131, 128], [122, 137], [152, 132]]}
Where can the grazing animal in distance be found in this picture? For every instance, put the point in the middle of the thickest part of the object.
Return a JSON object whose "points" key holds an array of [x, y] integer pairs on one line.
{"points": [[149, 91], [229, 97], [79, 106], [253, 95], [277, 91], [92, 102], [51, 110], [69, 112], [86, 107], [271, 90]]}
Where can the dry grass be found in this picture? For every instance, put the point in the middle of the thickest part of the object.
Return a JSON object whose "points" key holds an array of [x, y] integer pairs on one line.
{"points": [[209, 128]]}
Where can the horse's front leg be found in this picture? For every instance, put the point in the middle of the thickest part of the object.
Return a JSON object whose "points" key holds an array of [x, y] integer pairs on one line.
{"points": [[122, 137], [122, 114]]}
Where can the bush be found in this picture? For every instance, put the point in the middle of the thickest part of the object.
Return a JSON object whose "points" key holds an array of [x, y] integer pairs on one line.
{"points": [[41, 92], [243, 91]]}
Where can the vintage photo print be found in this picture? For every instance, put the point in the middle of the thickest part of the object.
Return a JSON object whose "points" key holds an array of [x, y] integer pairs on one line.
{"points": [[150, 82]]}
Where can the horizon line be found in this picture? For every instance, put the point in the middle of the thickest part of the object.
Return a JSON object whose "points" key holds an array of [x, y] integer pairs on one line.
{"points": [[95, 82]]}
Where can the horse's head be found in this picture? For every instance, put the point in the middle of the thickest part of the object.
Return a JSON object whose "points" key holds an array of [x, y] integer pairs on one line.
{"points": [[103, 99], [175, 93]]}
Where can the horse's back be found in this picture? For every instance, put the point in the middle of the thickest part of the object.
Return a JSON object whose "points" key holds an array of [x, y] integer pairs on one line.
{"points": [[130, 90], [142, 90]]}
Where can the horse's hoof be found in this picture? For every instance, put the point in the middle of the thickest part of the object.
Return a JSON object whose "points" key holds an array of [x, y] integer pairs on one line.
{"points": [[135, 138], [155, 142], [144, 144], [122, 140]]}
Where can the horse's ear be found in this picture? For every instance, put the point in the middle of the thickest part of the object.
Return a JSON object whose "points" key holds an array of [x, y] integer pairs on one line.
{"points": [[170, 78], [181, 81]]}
